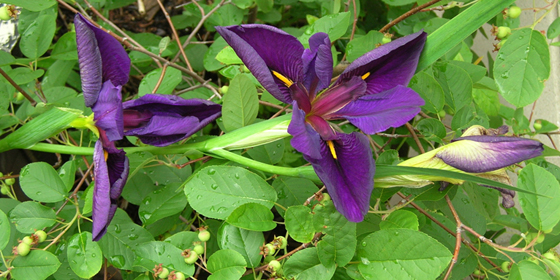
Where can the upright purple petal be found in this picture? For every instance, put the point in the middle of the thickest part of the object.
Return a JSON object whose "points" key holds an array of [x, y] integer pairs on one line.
{"points": [[115, 60], [90, 60], [305, 139], [337, 97], [479, 154], [264, 49], [349, 178], [108, 111], [173, 118], [388, 65], [110, 177], [377, 112], [317, 64]]}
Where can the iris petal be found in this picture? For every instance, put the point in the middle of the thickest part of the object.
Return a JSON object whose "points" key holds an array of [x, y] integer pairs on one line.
{"points": [[317, 63], [90, 60], [253, 44], [479, 154], [349, 178], [305, 139], [377, 112], [108, 111]]}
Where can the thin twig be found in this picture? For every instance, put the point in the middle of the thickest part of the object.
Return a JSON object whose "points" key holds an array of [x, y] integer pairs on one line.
{"points": [[405, 15], [280, 111], [551, 141], [33, 102], [163, 70], [415, 137], [319, 192], [175, 34], [457, 238]]}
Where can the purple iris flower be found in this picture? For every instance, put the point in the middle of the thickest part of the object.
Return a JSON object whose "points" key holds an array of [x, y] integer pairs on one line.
{"points": [[155, 119], [371, 93]]}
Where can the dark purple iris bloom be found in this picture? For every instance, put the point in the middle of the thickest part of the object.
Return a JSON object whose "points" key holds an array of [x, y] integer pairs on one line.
{"points": [[371, 93], [157, 120]]}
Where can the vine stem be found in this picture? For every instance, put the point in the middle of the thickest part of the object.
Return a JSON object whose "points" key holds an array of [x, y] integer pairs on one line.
{"points": [[405, 15], [175, 34], [457, 238], [415, 137]]}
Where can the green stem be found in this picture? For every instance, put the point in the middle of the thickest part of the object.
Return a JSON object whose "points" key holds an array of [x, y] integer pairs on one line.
{"points": [[302, 172], [88, 151]]}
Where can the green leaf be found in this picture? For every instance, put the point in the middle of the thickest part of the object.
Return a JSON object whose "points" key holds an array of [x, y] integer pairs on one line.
{"points": [[484, 200], [225, 265], [183, 239], [542, 212], [400, 219], [456, 84], [429, 90], [152, 253], [486, 96], [521, 67], [58, 74], [398, 2], [240, 104], [432, 129], [402, 254], [85, 255], [121, 239], [265, 5], [252, 216], [67, 174], [338, 245], [292, 191], [32, 5], [334, 25], [476, 72], [554, 29], [245, 242], [468, 116], [6, 58], [40, 182], [270, 153], [210, 61], [29, 216], [162, 203], [37, 37], [299, 223], [459, 28], [38, 265], [226, 187], [305, 265], [5, 230], [526, 270], [65, 48], [228, 56], [361, 45], [171, 79]]}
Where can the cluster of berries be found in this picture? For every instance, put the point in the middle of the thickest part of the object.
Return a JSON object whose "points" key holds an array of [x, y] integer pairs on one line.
{"points": [[24, 247], [268, 250], [503, 32], [6, 185]]}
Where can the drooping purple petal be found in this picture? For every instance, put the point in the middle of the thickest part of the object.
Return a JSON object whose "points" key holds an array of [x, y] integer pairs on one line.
{"points": [[317, 63], [172, 118], [305, 139], [479, 154], [110, 177], [389, 65], [101, 58], [108, 111], [264, 49], [377, 112], [349, 178]]}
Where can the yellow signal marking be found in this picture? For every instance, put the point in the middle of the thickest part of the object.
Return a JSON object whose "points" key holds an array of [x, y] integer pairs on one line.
{"points": [[365, 76], [331, 147], [282, 78]]}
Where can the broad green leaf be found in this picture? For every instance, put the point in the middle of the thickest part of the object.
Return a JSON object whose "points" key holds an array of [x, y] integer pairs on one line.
{"points": [[32, 5], [361, 45], [24, 75], [545, 126], [121, 239], [554, 29], [67, 174], [226, 187], [299, 223], [432, 129], [30, 216], [171, 79], [58, 74], [338, 245], [400, 219], [305, 265], [265, 5], [476, 72], [162, 203], [64, 271], [65, 48], [240, 104], [542, 212], [243, 4], [228, 56], [37, 37], [184, 239], [292, 191], [41, 182], [402, 254], [456, 84], [226, 265], [252, 216], [270, 153], [467, 212], [210, 61], [521, 67], [245, 242], [152, 253], [38, 265], [484, 200], [526, 270], [398, 2], [5, 230], [459, 28], [6, 58], [87, 197], [469, 116], [85, 255], [485, 95], [429, 90], [224, 16], [114, 4], [334, 25]]}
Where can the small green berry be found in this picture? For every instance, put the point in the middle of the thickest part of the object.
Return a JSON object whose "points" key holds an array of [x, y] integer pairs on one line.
{"points": [[4, 13], [385, 40], [204, 235], [477, 272], [27, 240], [41, 235], [270, 249], [5, 190], [274, 265], [551, 256], [441, 114], [326, 197], [537, 125], [164, 273], [505, 266], [1, 174], [191, 257], [199, 249], [179, 276], [19, 97], [540, 239], [23, 249], [501, 44], [503, 32], [224, 89], [513, 12], [282, 242], [10, 181]]}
